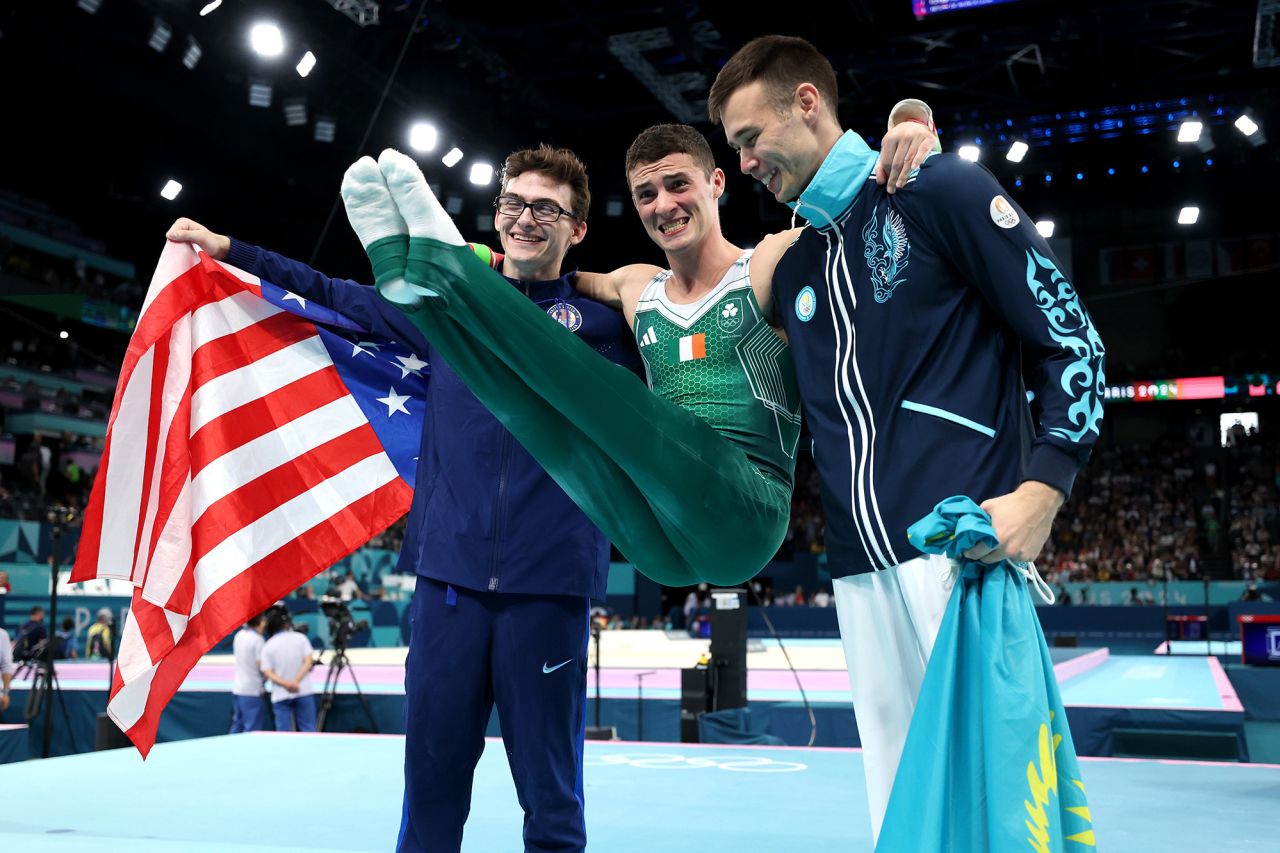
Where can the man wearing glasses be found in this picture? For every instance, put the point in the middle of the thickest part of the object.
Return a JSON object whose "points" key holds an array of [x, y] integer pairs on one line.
{"points": [[506, 563]]}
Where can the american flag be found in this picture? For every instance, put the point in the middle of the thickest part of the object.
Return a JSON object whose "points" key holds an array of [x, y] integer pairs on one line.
{"points": [[256, 438]]}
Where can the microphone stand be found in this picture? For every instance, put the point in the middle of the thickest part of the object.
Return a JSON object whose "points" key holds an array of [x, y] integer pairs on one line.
{"points": [[598, 732], [640, 702]]}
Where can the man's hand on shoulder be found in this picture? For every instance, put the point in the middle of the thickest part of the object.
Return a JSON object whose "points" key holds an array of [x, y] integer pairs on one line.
{"points": [[911, 137], [1022, 519], [764, 261], [216, 246]]}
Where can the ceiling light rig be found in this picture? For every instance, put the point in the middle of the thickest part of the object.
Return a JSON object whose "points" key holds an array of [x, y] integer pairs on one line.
{"points": [[191, 56], [266, 39], [325, 129], [295, 112], [161, 32], [423, 136], [306, 64], [259, 92]]}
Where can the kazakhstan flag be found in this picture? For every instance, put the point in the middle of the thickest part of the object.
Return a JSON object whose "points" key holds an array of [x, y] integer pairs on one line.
{"points": [[988, 765]]}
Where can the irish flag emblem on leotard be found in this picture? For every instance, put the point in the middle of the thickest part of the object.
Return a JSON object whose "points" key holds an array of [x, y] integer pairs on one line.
{"points": [[693, 347]]}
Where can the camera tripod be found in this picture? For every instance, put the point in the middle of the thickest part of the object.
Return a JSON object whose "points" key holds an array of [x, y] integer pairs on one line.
{"points": [[44, 690], [45, 687], [337, 664]]}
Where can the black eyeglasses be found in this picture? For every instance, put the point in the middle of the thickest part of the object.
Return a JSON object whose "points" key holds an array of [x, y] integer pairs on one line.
{"points": [[543, 211]]}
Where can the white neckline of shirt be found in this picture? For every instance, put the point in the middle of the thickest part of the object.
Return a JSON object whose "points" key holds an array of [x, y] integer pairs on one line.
{"points": [[687, 313]]}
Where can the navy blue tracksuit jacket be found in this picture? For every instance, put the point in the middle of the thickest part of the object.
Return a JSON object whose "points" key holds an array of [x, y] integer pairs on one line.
{"points": [[506, 565], [909, 317]]}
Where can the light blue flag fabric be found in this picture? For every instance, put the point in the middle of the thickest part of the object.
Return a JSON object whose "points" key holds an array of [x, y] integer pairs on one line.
{"points": [[988, 765]]}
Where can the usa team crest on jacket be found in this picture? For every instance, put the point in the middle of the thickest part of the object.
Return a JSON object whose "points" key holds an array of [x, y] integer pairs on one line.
{"points": [[566, 315]]}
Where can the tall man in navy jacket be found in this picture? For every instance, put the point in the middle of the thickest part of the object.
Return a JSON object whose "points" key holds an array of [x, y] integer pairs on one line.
{"points": [[506, 563], [908, 317]]}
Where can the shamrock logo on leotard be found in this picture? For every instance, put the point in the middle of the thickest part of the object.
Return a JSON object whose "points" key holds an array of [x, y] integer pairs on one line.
{"points": [[731, 315]]}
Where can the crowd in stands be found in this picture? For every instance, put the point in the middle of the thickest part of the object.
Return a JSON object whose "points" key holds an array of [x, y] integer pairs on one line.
{"points": [[48, 472], [616, 622], [1133, 515], [1139, 513], [59, 274], [805, 535], [391, 538], [50, 467], [69, 276], [1254, 531]]}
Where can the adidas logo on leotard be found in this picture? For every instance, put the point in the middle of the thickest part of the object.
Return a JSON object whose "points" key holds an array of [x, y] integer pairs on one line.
{"points": [[649, 337]]}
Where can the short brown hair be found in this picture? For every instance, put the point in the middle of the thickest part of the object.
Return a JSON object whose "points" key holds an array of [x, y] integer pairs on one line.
{"points": [[658, 141], [560, 165], [781, 63]]}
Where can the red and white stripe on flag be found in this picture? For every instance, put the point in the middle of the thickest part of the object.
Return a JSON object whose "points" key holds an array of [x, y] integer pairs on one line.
{"points": [[237, 466]]}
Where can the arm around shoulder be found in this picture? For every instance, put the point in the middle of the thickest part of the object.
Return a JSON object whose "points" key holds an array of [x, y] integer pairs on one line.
{"points": [[617, 289]]}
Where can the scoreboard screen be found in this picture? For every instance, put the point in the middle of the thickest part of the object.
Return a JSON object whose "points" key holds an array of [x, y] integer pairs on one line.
{"points": [[1260, 639], [923, 8]]}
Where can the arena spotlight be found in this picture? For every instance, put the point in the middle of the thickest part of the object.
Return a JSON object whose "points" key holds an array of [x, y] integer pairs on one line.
{"points": [[1189, 131], [209, 7], [64, 334], [481, 174], [1045, 227], [1194, 131], [161, 32], [1188, 215], [1251, 130], [423, 136], [266, 40], [90, 6], [305, 64], [970, 152], [451, 159], [1017, 151], [171, 190]]}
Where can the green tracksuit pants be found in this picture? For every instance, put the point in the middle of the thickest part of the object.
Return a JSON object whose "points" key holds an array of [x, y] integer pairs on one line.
{"points": [[683, 503]]}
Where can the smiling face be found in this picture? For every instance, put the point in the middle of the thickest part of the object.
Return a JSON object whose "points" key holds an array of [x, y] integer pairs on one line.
{"points": [[780, 148], [535, 250], [677, 201]]}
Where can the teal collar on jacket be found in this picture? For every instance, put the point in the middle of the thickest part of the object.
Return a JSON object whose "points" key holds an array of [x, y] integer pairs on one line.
{"points": [[838, 181]]}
